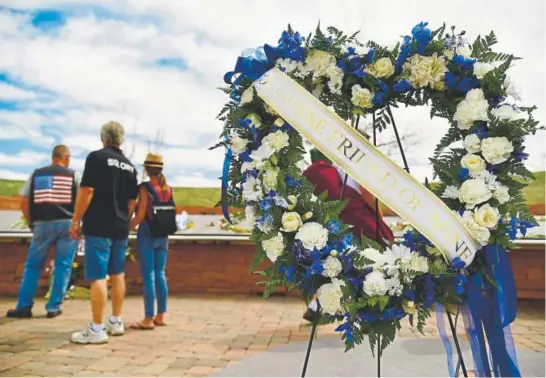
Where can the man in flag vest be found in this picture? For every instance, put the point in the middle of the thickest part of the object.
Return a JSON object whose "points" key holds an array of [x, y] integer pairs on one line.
{"points": [[47, 203]]}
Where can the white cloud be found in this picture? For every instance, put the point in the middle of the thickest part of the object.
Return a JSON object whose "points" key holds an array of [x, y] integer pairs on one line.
{"points": [[97, 69], [10, 92], [11, 175], [23, 159]]}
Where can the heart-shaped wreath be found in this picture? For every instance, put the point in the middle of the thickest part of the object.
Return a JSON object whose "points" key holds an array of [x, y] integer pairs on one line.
{"points": [[365, 286]]}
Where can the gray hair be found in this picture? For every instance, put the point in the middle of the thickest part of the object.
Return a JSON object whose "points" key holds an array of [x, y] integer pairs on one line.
{"points": [[112, 133]]}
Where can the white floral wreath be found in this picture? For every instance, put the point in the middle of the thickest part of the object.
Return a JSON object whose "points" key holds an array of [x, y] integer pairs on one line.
{"points": [[367, 287]]}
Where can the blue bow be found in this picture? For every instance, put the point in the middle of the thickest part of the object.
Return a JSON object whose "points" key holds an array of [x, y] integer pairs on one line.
{"points": [[225, 178], [252, 64]]}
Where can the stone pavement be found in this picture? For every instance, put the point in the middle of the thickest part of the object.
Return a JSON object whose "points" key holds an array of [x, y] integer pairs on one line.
{"points": [[205, 335]]}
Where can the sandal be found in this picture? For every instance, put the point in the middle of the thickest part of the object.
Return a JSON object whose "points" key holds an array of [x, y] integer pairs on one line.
{"points": [[141, 327], [159, 324]]}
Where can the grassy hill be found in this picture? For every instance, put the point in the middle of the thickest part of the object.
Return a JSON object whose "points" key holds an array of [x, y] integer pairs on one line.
{"points": [[208, 197]]}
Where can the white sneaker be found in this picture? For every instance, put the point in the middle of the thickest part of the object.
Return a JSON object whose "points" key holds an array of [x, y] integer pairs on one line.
{"points": [[88, 336], [114, 329]]}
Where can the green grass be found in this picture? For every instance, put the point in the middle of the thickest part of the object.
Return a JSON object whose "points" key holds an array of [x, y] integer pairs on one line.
{"points": [[208, 197]]}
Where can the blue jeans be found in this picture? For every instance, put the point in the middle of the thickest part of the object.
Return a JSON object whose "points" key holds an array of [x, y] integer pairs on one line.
{"points": [[104, 256], [153, 259], [45, 235]]}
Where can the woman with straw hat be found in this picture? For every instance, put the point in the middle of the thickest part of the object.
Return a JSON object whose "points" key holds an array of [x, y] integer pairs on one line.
{"points": [[156, 220]]}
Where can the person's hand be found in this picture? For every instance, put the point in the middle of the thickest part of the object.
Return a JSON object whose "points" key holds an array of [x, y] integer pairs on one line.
{"points": [[75, 231], [133, 225]]}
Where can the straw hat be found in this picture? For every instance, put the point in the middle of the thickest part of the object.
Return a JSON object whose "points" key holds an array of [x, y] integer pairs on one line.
{"points": [[153, 160]]}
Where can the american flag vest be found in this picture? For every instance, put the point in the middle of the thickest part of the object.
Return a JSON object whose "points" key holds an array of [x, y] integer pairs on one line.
{"points": [[52, 194]]}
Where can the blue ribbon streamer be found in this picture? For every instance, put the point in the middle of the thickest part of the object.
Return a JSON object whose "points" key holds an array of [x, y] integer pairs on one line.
{"points": [[440, 310], [225, 177]]}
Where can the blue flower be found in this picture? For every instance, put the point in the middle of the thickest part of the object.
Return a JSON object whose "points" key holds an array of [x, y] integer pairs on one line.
{"points": [[464, 174], [289, 272], [290, 46], [347, 330], [465, 63], [467, 83], [367, 317], [457, 263], [292, 182], [346, 240], [370, 56], [480, 130], [402, 86], [422, 35], [334, 226], [450, 80], [517, 224], [428, 291], [409, 294], [520, 155], [245, 157], [379, 98], [266, 204], [405, 52], [392, 313]]}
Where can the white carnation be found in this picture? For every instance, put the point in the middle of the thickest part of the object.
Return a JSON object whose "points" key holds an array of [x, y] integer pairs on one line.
{"points": [[382, 68], [511, 89], [361, 97], [269, 179], [473, 163], [481, 69], [464, 51], [496, 150], [473, 108], [329, 296], [263, 153], [274, 247], [332, 267], [451, 191], [507, 112], [418, 264], [313, 235], [277, 140], [480, 233], [375, 284], [487, 216], [501, 194], [238, 144], [318, 62], [474, 192], [472, 143], [395, 287]]}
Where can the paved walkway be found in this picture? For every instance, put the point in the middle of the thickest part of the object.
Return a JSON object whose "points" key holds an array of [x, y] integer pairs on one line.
{"points": [[205, 335]]}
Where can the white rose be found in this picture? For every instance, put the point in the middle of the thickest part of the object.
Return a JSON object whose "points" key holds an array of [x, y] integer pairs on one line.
{"points": [[473, 163], [238, 144], [250, 214], [507, 112], [464, 51], [496, 150], [375, 284], [247, 95], [291, 221], [313, 235], [329, 297], [361, 97], [382, 68], [474, 192], [292, 201], [473, 108], [451, 191], [274, 247], [332, 267], [279, 122], [270, 179], [277, 140], [501, 194], [472, 143], [252, 189], [487, 216], [255, 119], [481, 69], [479, 233]]}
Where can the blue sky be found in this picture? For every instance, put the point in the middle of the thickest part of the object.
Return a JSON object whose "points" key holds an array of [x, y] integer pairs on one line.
{"points": [[67, 67]]}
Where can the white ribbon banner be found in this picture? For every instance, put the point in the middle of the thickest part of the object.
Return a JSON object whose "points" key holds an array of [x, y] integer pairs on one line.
{"points": [[367, 165]]}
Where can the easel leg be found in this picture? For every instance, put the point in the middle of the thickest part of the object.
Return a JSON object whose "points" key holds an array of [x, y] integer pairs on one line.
{"points": [[311, 338]]}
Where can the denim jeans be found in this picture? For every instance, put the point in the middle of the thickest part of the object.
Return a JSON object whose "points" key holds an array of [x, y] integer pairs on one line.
{"points": [[104, 256], [152, 253], [45, 235]]}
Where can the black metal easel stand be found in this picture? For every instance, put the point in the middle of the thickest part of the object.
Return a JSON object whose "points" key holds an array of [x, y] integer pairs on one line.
{"points": [[449, 317]]}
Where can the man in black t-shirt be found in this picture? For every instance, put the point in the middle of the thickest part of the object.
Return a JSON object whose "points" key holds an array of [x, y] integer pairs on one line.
{"points": [[106, 202]]}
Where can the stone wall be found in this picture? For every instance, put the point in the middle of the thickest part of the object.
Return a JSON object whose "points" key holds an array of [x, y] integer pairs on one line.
{"points": [[224, 268]]}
